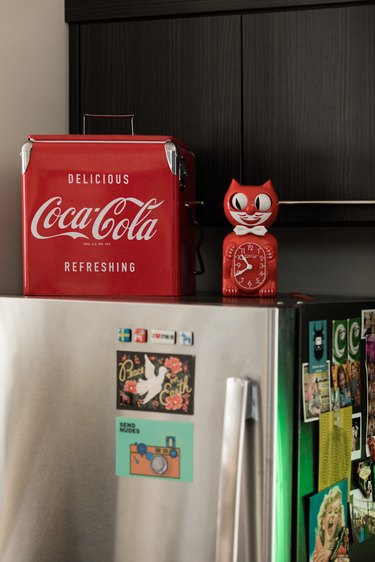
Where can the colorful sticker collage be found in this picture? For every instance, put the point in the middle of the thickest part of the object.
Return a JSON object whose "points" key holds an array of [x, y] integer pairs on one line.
{"points": [[330, 389], [370, 370], [362, 505]]}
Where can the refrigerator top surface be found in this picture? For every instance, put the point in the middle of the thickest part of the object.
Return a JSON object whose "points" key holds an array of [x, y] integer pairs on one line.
{"points": [[290, 300]]}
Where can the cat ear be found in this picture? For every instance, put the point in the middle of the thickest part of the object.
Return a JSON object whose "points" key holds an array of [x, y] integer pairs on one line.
{"points": [[268, 185], [234, 184]]}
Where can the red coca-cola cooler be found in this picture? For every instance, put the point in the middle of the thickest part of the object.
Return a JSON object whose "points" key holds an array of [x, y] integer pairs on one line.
{"points": [[107, 216]]}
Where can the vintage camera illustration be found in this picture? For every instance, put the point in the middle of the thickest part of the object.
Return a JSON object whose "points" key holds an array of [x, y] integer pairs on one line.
{"points": [[150, 460]]}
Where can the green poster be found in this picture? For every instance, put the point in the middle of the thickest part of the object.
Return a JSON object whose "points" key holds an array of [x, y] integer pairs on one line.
{"points": [[354, 339], [339, 342]]}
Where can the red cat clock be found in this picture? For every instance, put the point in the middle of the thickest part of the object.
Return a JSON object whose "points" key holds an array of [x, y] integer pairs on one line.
{"points": [[250, 252]]}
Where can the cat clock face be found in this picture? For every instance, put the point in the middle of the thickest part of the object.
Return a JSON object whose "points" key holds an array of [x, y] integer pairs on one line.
{"points": [[250, 266], [250, 206]]}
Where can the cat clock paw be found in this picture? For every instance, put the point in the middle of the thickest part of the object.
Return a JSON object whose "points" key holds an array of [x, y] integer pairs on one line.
{"points": [[250, 251], [270, 252], [229, 252], [230, 290], [268, 291]]}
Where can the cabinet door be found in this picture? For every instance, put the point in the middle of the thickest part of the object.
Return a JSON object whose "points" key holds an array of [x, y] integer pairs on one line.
{"points": [[179, 77], [309, 111]]}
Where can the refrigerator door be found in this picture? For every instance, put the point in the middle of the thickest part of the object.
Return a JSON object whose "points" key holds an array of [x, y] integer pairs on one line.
{"points": [[60, 497]]}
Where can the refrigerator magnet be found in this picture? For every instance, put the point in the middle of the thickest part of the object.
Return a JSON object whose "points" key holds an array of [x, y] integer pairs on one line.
{"points": [[354, 360], [367, 323], [361, 523], [124, 335], [316, 392], [340, 387], [328, 520], [339, 342], [318, 345], [356, 436], [140, 335], [155, 382], [364, 479], [335, 447], [163, 336], [185, 338], [154, 449], [354, 339]]}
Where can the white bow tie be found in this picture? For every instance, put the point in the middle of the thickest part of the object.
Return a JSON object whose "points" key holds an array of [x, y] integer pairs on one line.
{"points": [[257, 230]]}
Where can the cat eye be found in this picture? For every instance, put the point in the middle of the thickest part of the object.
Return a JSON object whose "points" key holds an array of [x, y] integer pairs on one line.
{"points": [[239, 201], [263, 202]]}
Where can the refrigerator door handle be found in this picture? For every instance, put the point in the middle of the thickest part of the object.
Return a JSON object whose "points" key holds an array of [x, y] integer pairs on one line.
{"points": [[241, 404]]}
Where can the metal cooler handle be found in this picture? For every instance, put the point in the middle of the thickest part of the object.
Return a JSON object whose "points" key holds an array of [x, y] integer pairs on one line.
{"points": [[112, 116], [241, 404]]}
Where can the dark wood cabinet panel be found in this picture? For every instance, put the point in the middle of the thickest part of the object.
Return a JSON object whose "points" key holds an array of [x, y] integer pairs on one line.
{"points": [[179, 77], [309, 108], [94, 10]]}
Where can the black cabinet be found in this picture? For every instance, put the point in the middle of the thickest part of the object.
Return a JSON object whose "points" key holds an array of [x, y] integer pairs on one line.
{"points": [[280, 89], [309, 107], [178, 76]]}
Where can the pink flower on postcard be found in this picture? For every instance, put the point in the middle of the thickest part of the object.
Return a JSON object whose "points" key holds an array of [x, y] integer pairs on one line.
{"points": [[173, 402], [174, 364], [124, 399], [185, 402], [131, 387]]}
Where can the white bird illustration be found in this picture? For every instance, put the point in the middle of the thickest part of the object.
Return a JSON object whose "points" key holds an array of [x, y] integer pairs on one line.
{"points": [[152, 384]]}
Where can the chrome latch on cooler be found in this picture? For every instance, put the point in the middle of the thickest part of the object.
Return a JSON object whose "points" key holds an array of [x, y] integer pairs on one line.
{"points": [[25, 155], [176, 163]]}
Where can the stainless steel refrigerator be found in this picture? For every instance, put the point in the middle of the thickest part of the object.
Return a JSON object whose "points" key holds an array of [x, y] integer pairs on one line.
{"points": [[162, 430]]}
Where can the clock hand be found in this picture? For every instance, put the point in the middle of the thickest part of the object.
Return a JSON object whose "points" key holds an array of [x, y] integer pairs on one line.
{"points": [[245, 260], [249, 266]]}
